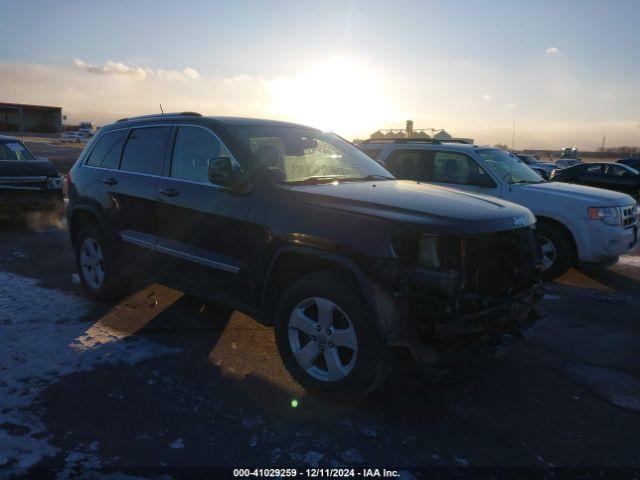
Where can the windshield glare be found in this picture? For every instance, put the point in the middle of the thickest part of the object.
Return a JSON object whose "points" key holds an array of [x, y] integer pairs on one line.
{"points": [[303, 155], [14, 150], [509, 167]]}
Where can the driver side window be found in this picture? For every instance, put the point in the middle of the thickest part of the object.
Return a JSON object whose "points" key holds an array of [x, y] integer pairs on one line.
{"points": [[193, 149], [458, 168]]}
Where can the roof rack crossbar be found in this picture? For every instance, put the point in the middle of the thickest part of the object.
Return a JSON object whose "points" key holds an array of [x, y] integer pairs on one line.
{"points": [[155, 115], [434, 141]]}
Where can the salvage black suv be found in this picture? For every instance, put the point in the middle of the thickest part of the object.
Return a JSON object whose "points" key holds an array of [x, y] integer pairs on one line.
{"points": [[302, 231]]}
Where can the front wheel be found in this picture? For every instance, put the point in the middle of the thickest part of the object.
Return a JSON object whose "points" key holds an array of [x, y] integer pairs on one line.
{"points": [[556, 250], [327, 339]]}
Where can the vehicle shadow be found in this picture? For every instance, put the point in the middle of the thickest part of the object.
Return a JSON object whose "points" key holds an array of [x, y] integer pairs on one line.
{"points": [[223, 398], [613, 279]]}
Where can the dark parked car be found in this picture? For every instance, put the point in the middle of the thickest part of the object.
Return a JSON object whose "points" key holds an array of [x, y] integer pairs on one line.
{"points": [[27, 183], [301, 230], [543, 169], [611, 176], [567, 162], [633, 162]]}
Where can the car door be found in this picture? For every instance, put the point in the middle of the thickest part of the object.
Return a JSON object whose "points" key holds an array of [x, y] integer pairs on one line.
{"points": [[621, 179], [132, 192], [202, 227], [591, 175]]}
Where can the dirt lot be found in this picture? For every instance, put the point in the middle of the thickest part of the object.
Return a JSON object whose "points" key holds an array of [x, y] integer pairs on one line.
{"points": [[161, 379]]}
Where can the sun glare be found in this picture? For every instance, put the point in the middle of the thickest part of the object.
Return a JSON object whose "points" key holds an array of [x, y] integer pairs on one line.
{"points": [[340, 95]]}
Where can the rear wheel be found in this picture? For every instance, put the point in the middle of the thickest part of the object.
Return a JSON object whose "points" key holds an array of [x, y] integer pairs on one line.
{"points": [[99, 273], [556, 250], [327, 339]]}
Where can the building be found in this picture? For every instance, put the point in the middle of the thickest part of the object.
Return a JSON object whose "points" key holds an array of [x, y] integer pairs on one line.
{"points": [[410, 132], [18, 117]]}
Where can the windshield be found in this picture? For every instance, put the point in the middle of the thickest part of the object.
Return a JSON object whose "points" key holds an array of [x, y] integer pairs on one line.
{"points": [[14, 150], [303, 155], [509, 167]]}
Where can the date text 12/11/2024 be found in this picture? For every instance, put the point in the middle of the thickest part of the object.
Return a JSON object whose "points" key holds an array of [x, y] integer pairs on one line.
{"points": [[316, 473]]}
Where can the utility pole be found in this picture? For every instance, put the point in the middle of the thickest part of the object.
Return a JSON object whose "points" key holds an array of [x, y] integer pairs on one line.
{"points": [[603, 140]]}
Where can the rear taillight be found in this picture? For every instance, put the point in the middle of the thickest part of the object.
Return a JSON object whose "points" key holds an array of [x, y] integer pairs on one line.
{"points": [[67, 184]]}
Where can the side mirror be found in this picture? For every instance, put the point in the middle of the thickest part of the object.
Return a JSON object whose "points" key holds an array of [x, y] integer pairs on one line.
{"points": [[222, 172]]}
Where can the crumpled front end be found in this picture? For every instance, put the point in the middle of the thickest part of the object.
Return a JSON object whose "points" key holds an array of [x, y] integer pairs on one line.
{"points": [[460, 287]]}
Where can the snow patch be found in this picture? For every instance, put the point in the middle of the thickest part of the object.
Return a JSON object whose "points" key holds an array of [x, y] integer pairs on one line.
{"points": [[313, 458], [39, 332], [621, 389], [178, 444], [630, 260]]}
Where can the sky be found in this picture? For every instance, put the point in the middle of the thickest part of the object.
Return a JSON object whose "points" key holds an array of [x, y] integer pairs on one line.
{"points": [[566, 72]]}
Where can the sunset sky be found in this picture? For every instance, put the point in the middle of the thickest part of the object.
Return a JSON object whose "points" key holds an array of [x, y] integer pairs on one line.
{"points": [[567, 72]]}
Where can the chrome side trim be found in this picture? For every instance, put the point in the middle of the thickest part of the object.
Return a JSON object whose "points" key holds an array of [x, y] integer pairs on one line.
{"points": [[138, 242], [116, 171], [197, 259]]}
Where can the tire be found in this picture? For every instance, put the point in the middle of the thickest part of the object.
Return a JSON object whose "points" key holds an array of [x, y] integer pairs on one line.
{"points": [[364, 358], [98, 271], [556, 248]]}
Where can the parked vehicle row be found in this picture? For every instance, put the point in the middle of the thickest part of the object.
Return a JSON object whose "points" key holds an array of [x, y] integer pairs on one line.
{"points": [[611, 176], [303, 231], [27, 183], [543, 169], [576, 224], [75, 137]]}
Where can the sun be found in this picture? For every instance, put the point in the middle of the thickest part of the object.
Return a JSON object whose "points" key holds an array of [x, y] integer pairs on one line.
{"points": [[341, 95]]}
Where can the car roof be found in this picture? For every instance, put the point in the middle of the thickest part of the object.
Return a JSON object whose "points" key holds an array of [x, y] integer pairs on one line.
{"points": [[193, 116], [441, 145]]}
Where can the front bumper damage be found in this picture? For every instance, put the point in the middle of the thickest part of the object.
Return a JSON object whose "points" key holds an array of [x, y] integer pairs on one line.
{"points": [[429, 310]]}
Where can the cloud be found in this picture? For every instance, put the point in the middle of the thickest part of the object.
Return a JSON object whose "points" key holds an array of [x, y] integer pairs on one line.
{"points": [[487, 97], [552, 51], [120, 69], [511, 105]]}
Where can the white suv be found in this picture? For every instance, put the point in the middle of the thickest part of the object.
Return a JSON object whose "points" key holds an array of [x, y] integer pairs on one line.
{"points": [[576, 224]]}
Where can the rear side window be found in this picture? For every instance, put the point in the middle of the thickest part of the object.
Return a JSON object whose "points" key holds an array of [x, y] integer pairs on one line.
{"points": [[144, 150], [194, 148], [106, 153], [595, 169], [451, 167], [14, 150], [372, 152], [407, 164]]}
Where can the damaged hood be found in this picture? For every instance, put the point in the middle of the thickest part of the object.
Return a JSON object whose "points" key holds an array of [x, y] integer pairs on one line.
{"points": [[443, 210]]}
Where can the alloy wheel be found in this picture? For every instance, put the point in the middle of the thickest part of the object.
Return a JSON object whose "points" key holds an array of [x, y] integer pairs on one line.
{"points": [[549, 252], [322, 339], [92, 263]]}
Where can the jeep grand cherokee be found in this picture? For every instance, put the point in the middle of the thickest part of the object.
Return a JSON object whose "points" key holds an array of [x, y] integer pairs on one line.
{"points": [[301, 230]]}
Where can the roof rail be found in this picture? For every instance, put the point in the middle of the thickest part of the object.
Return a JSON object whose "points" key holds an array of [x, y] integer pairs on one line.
{"points": [[155, 115], [416, 140]]}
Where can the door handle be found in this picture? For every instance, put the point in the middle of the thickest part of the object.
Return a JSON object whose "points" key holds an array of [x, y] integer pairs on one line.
{"points": [[169, 192], [109, 180]]}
